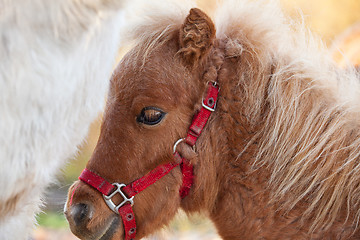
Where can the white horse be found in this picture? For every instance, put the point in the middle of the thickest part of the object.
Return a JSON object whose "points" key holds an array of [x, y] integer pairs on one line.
{"points": [[56, 60]]}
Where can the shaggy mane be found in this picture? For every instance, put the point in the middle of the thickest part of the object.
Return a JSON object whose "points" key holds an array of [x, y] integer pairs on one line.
{"points": [[310, 137], [309, 108]]}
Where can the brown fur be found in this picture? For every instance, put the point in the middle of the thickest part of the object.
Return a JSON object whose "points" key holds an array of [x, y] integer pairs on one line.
{"points": [[8, 207], [278, 159]]}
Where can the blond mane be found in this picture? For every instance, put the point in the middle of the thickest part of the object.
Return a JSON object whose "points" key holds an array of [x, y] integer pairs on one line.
{"points": [[310, 137]]}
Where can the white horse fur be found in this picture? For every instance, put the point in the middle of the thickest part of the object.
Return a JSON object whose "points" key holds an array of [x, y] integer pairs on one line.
{"points": [[56, 60]]}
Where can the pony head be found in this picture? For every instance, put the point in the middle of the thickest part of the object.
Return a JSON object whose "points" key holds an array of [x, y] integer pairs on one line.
{"points": [[155, 92]]}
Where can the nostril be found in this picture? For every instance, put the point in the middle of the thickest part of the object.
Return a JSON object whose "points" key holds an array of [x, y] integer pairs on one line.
{"points": [[80, 213]]}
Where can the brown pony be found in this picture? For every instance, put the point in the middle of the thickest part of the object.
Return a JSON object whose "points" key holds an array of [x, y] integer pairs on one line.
{"points": [[278, 159]]}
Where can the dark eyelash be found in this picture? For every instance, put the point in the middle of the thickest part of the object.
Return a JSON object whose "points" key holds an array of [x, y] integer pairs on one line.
{"points": [[150, 116]]}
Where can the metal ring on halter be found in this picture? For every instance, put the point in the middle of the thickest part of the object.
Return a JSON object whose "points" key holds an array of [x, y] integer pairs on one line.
{"points": [[177, 143]]}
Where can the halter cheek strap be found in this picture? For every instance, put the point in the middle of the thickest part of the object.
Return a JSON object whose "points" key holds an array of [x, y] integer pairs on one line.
{"points": [[199, 121], [127, 192]]}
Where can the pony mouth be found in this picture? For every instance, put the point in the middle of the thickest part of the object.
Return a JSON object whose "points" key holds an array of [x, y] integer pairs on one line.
{"points": [[110, 230]]}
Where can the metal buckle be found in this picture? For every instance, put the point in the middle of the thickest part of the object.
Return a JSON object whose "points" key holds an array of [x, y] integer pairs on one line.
{"points": [[111, 204], [211, 109], [215, 84]]}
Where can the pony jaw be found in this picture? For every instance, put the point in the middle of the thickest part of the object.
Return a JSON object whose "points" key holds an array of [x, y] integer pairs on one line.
{"points": [[111, 229]]}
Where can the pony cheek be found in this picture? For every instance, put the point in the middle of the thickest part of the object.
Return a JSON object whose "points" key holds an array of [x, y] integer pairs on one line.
{"points": [[157, 205]]}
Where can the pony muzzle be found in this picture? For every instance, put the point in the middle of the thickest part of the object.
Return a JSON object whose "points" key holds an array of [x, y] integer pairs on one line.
{"points": [[88, 219]]}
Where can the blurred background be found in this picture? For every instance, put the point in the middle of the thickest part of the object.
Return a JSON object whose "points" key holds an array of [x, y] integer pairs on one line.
{"points": [[337, 22]]}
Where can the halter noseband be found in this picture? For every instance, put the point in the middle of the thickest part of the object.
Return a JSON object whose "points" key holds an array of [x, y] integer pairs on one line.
{"points": [[127, 192]]}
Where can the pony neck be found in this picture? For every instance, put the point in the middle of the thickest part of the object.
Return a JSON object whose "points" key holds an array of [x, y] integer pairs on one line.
{"points": [[219, 147], [277, 143]]}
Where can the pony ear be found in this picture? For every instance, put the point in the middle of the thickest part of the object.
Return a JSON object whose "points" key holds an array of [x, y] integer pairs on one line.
{"points": [[197, 35]]}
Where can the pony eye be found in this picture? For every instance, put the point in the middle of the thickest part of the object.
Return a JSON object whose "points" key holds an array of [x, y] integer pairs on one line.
{"points": [[150, 116]]}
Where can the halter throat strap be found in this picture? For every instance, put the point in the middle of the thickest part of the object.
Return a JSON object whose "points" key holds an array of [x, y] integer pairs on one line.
{"points": [[127, 192]]}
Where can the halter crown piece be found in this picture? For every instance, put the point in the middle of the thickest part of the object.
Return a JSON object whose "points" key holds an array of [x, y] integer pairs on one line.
{"points": [[127, 192]]}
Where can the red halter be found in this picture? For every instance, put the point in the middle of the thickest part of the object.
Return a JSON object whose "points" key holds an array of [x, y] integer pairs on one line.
{"points": [[129, 191]]}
